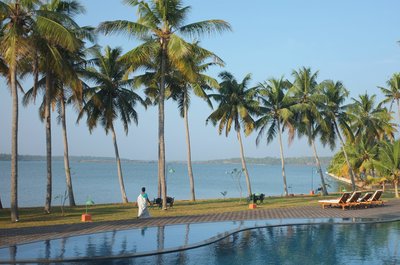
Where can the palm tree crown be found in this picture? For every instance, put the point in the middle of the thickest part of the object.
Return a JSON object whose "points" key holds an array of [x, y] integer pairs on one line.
{"points": [[392, 93], [111, 97], [275, 105], [236, 104], [370, 120]]}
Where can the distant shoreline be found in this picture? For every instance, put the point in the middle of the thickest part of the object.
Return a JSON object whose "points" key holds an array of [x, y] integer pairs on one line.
{"points": [[250, 160]]}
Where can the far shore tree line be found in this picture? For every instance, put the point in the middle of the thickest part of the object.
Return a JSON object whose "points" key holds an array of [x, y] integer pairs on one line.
{"points": [[42, 40]]}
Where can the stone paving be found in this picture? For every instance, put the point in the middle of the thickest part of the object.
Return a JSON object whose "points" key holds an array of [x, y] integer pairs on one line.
{"points": [[390, 211]]}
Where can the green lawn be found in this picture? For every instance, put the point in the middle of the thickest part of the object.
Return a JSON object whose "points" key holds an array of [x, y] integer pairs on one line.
{"points": [[31, 217]]}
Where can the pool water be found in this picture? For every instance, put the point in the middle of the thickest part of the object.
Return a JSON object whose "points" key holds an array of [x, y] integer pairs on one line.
{"points": [[304, 244], [324, 241]]}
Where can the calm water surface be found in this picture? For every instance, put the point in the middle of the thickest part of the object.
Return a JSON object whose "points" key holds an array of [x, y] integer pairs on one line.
{"points": [[99, 181], [308, 242]]}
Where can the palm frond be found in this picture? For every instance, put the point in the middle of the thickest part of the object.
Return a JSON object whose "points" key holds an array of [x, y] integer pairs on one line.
{"points": [[57, 33], [209, 27], [125, 28]]}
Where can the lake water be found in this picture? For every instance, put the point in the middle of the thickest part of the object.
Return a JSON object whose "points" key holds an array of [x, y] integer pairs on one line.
{"points": [[99, 181]]}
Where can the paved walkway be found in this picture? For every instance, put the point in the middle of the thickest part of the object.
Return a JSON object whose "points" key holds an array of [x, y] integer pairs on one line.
{"points": [[389, 211]]}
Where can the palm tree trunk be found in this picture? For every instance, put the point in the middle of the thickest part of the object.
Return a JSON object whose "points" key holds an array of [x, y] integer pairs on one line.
{"points": [[396, 189], [161, 114], [189, 155], [282, 160], [159, 187], [66, 154], [398, 107], [14, 145], [120, 178], [244, 167], [373, 170], [324, 191], [353, 183], [47, 118]]}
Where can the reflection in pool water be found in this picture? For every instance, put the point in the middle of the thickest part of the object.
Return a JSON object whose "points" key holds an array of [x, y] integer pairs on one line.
{"points": [[325, 243]]}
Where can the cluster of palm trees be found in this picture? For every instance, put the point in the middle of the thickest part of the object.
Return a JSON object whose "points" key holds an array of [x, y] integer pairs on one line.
{"points": [[273, 106], [371, 150], [41, 39], [317, 111]]}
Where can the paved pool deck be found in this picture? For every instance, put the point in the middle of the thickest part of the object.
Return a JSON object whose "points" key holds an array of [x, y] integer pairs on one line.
{"points": [[9, 237]]}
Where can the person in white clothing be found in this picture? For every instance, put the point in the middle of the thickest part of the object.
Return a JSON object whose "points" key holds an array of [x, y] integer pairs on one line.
{"points": [[142, 201]]}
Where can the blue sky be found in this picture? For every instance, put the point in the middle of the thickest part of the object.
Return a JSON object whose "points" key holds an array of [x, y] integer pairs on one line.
{"points": [[352, 41]]}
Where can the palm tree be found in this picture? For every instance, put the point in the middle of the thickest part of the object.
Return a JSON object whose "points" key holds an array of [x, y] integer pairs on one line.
{"points": [[275, 115], [58, 98], [369, 125], [110, 98], [21, 22], [309, 121], [71, 85], [236, 104], [65, 68], [392, 93], [48, 61], [363, 155], [389, 162], [158, 26], [3, 72], [333, 107], [15, 22], [369, 121], [181, 90]]}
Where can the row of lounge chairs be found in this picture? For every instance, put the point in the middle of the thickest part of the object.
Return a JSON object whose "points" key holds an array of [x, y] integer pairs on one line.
{"points": [[354, 199]]}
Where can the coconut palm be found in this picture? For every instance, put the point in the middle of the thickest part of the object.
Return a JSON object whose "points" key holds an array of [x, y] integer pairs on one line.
{"points": [[3, 72], [14, 43], [48, 61], [309, 121], [236, 104], [334, 109], [370, 121], [110, 98], [275, 115], [363, 156], [392, 93], [160, 26], [22, 22], [59, 96], [65, 67], [389, 162], [181, 92]]}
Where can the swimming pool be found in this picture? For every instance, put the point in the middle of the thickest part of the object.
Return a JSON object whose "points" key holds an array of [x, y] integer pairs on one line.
{"points": [[276, 241]]}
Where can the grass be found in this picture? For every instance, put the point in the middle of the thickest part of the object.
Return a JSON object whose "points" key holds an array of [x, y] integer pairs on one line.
{"points": [[33, 217]]}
